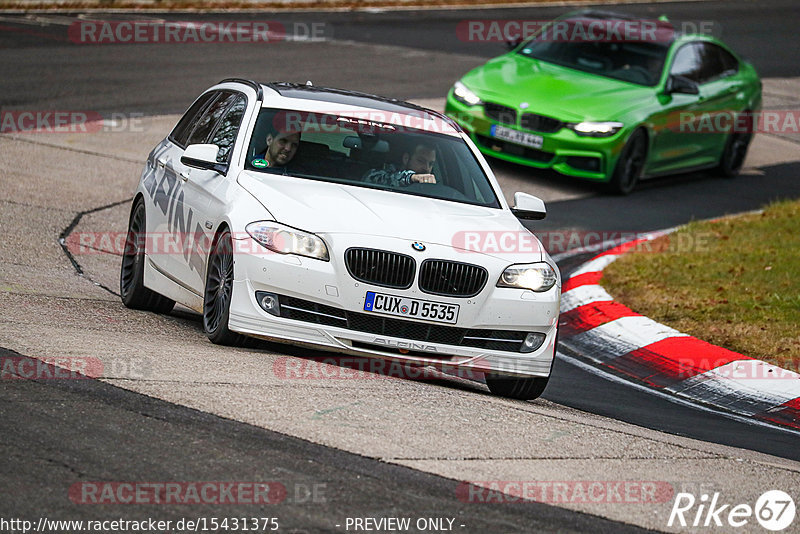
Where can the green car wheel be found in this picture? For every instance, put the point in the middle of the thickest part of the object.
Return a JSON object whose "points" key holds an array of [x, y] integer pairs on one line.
{"points": [[630, 164]]}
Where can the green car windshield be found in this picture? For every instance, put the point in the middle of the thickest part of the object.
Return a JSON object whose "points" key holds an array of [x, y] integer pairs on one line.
{"points": [[638, 61], [365, 152]]}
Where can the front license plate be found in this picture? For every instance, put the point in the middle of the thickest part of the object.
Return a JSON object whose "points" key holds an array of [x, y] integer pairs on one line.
{"points": [[412, 308], [514, 136]]}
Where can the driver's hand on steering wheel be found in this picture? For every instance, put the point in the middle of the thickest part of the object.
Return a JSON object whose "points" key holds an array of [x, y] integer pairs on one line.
{"points": [[423, 178]]}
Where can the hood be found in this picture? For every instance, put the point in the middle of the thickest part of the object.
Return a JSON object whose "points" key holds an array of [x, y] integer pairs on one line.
{"points": [[563, 93], [328, 208]]}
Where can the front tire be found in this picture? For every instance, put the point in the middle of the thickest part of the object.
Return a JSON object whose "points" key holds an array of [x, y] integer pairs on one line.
{"points": [[218, 293], [132, 290], [630, 164], [514, 387]]}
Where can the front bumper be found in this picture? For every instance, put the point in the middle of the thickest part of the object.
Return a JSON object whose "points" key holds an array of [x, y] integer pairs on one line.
{"points": [[376, 335], [563, 151]]}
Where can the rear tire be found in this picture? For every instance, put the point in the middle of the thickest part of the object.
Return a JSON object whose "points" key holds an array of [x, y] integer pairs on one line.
{"points": [[630, 164], [515, 387], [132, 290], [736, 146], [218, 293]]}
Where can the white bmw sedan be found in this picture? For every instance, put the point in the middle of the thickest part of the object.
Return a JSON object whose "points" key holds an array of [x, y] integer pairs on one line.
{"points": [[347, 222]]}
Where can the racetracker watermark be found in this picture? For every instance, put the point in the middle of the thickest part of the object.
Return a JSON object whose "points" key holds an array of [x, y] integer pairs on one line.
{"points": [[355, 368], [49, 368], [786, 121], [194, 32], [556, 242], [169, 493], [725, 369], [69, 122], [579, 30], [564, 492], [464, 241], [158, 243], [370, 122]]}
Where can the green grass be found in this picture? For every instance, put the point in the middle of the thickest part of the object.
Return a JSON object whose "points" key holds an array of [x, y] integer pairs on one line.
{"points": [[733, 282]]}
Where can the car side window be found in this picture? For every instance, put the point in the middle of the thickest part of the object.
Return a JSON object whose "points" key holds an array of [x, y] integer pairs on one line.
{"points": [[180, 134], [225, 134], [730, 65], [712, 68], [688, 63], [208, 120]]}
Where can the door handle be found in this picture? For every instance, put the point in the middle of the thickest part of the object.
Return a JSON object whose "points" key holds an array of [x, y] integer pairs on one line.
{"points": [[161, 163], [184, 175]]}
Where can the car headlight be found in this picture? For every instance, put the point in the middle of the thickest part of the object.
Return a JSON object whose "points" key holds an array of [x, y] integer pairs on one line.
{"points": [[539, 277], [595, 129], [464, 95], [287, 240]]}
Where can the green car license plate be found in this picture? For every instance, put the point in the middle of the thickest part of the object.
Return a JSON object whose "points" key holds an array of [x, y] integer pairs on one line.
{"points": [[514, 136]]}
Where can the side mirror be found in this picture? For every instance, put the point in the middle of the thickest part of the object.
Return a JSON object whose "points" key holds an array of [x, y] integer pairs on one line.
{"points": [[203, 156], [528, 207], [680, 84]]}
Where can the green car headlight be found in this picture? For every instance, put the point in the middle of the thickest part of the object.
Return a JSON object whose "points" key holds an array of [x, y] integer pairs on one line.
{"points": [[595, 129], [287, 240], [539, 277], [464, 95]]}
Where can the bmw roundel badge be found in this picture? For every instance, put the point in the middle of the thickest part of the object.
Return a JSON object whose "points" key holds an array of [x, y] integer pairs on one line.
{"points": [[419, 247]]}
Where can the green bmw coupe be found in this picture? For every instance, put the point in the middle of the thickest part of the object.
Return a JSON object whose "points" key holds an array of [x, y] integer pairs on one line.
{"points": [[588, 99]]}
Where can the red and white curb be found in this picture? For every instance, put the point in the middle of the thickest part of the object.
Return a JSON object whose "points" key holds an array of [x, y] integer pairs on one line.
{"points": [[610, 335]]}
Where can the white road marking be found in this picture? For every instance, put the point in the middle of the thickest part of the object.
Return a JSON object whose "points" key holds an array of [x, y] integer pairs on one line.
{"points": [[581, 295], [745, 383], [596, 265], [599, 371], [620, 336]]}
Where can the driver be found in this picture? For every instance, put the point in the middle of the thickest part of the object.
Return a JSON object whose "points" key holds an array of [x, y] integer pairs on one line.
{"points": [[281, 148], [416, 168]]}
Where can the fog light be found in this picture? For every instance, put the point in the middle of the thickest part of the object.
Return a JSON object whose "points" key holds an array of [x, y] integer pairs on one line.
{"points": [[532, 342], [584, 163], [269, 302]]}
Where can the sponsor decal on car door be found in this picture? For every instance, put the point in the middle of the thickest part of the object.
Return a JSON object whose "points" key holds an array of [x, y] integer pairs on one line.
{"points": [[193, 222]]}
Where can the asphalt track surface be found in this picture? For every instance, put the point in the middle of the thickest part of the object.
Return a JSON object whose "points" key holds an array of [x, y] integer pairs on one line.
{"points": [[87, 430], [150, 439], [122, 77]]}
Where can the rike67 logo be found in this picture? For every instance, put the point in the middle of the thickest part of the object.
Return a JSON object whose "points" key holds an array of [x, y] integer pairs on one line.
{"points": [[774, 510]]}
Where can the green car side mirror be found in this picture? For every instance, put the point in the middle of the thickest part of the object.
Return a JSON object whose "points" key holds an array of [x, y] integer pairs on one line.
{"points": [[680, 84]]}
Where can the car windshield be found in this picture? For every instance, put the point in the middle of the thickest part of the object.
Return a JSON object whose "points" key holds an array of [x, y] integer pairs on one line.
{"points": [[627, 50], [367, 153]]}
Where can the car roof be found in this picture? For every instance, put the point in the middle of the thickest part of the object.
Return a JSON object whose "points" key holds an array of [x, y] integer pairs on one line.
{"points": [[665, 28], [661, 23], [345, 97], [305, 96]]}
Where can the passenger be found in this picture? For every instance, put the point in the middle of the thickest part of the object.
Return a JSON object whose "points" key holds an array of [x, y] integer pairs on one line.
{"points": [[416, 168]]}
